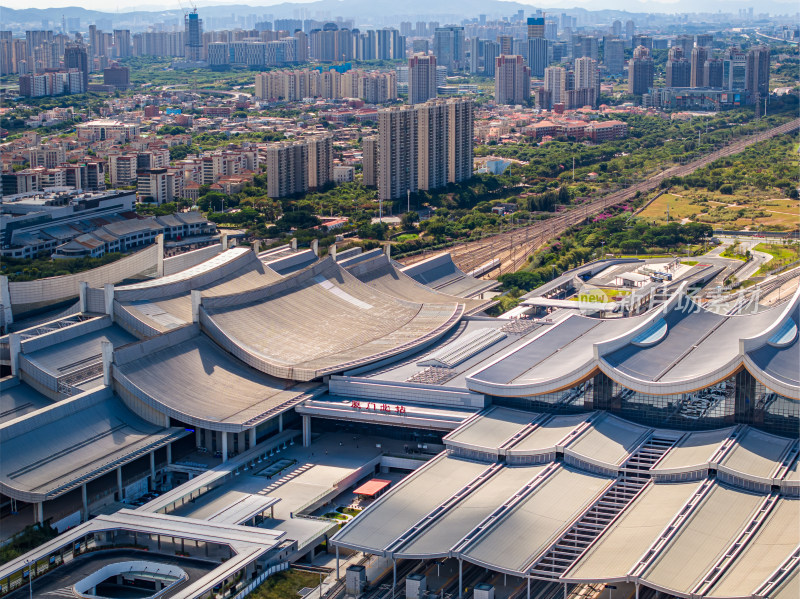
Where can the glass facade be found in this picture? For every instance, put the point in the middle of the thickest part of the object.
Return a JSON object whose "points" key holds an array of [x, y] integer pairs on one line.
{"points": [[741, 399]]}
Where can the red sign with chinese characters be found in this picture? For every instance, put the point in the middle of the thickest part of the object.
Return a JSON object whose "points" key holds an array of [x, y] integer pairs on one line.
{"points": [[375, 407]]}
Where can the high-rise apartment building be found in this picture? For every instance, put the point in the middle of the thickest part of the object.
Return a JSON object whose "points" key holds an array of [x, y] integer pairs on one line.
{"points": [[287, 168], [712, 73], [76, 57], [757, 82], [369, 160], [320, 161], [491, 50], [640, 72], [734, 70], [587, 77], [506, 44], [122, 43], [421, 78], [555, 82], [614, 55], [512, 80], [193, 36], [424, 146], [686, 44], [448, 47], [700, 54], [679, 69]]}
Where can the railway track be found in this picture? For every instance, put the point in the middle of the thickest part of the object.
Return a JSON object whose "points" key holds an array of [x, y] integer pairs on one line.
{"points": [[513, 247]]}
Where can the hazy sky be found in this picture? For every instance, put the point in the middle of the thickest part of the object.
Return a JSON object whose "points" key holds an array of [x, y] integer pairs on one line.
{"points": [[664, 6]]}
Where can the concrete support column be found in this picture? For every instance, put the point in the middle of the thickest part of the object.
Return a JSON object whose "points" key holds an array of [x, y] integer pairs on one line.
{"points": [[107, 350], [108, 291], [529, 586], [85, 501], [294, 244], [637, 590], [337, 563], [169, 453], [40, 512], [315, 246], [224, 446], [160, 262], [224, 241], [306, 430], [257, 246], [252, 433], [5, 300], [153, 468], [197, 437], [394, 576], [332, 251], [388, 250], [14, 349], [460, 579], [83, 290], [119, 482], [196, 301], [280, 422], [565, 590]]}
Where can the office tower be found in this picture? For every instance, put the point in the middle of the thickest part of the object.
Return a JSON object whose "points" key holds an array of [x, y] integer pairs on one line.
{"points": [[555, 82], [491, 50], [616, 28], [7, 63], [405, 28], [420, 46], [734, 70], [122, 42], [630, 29], [686, 44], [679, 69], [76, 57], [757, 82], [535, 27], [587, 77], [712, 72], [193, 36], [551, 30], [506, 44], [640, 72], [287, 168], [512, 80], [475, 53], [448, 47], [397, 151], [614, 55], [320, 161], [421, 78], [369, 161], [538, 55], [584, 45], [699, 56], [706, 40]]}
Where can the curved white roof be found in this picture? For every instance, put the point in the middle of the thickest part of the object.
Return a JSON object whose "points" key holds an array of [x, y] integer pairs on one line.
{"points": [[320, 321]]}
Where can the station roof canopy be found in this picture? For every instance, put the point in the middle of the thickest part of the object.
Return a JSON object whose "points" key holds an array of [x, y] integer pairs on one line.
{"points": [[676, 529]]}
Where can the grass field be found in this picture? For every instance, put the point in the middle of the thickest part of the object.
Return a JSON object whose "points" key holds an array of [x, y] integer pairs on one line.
{"points": [[285, 585], [782, 255], [406, 237], [748, 209]]}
